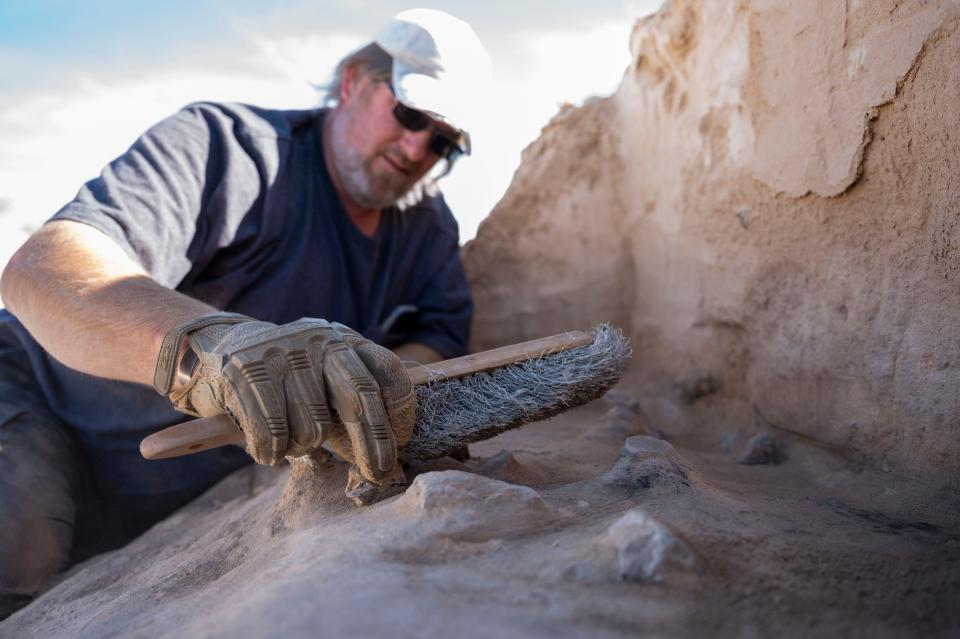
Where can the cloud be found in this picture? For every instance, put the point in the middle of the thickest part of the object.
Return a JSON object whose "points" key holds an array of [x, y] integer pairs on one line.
{"points": [[56, 139], [536, 72], [306, 57]]}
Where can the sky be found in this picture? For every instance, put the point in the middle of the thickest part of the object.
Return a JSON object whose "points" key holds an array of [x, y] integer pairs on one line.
{"points": [[79, 81]]}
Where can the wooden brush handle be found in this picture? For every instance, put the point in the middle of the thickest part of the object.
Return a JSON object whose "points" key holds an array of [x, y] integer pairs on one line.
{"points": [[212, 432]]}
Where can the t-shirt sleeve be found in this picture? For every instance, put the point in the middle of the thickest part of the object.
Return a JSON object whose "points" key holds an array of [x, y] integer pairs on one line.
{"points": [[150, 199], [445, 305]]}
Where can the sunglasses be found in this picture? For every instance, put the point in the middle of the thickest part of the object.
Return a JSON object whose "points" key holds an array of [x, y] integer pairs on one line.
{"points": [[412, 120]]}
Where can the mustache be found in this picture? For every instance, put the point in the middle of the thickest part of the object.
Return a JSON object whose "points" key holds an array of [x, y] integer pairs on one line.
{"points": [[399, 158]]}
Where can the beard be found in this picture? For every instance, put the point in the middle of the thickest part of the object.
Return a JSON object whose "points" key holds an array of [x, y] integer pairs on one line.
{"points": [[363, 182]]}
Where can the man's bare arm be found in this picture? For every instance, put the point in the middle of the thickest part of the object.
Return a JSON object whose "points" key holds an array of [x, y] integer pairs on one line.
{"points": [[417, 352], [89, 304]]}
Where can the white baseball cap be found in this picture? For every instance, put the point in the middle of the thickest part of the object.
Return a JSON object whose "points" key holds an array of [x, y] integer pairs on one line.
{"points": [[439, 66]]}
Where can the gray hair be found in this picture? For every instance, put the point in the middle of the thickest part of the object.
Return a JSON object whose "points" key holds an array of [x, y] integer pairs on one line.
{"points": [[371, 59], [377, 64]]}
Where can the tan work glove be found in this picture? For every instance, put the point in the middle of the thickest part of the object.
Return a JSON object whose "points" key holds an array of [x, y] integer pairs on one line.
{"points": [[294, 386]]}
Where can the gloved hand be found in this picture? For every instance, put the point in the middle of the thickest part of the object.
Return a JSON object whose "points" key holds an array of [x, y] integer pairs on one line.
{"points": [[292, 387]]}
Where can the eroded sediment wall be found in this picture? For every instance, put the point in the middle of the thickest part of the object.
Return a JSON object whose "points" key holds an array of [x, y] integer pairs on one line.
{"points": [[770, 206]]}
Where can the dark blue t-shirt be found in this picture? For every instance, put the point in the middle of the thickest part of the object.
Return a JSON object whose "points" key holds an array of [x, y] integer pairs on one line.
{"points": [[233, 205]]}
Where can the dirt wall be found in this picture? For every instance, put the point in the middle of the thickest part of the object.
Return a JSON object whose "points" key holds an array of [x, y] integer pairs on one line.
{"points": [[770, 206]]}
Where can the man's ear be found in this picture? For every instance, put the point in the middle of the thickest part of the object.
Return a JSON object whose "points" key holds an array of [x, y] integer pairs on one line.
{"points": [[351, 82]]}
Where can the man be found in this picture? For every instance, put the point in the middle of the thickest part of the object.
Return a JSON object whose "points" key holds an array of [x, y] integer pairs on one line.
{"points": [[187, 266]]}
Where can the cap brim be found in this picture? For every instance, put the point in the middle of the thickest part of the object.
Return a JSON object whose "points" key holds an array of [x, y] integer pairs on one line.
{"points": [[434, 97]]}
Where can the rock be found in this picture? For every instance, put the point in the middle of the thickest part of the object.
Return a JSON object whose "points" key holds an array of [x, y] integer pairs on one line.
{"points": [[461, 453], [760, 449], [502, 462], [364, 493], [627, 418], [619, 399], [647, 550], [517, 467], [624, 418], [466, 507], [648, 462], [503, 466], [728, 441]]}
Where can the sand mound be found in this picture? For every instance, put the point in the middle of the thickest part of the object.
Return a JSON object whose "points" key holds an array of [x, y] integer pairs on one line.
{"points": [[657, 538], [647, 463]]}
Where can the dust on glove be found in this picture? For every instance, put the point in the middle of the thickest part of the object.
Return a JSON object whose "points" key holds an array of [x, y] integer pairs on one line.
{"points": [[292, 387]]}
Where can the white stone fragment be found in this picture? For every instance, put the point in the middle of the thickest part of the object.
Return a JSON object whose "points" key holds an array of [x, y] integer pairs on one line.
{"points": [[646, 548], [466, 507]]}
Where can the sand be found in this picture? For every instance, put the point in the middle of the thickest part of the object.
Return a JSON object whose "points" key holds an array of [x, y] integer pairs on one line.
{"points": [[585, 525], [768, 206]]}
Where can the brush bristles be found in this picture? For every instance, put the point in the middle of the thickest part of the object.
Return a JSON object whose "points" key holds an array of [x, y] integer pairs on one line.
{"points": [[455, 412]]}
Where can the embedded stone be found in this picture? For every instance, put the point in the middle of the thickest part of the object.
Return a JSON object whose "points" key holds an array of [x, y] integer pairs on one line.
{"points": [[647, 462], [624, 418], [761, 449], [646, 549], [466, 507]]}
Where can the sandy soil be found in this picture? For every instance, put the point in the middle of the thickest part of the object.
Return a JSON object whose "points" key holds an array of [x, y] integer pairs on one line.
{"points": [[768, 208], [592, 524]]}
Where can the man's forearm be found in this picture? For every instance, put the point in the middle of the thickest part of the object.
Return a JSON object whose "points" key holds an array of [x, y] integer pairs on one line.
{"points": [[417, 352], [91, 306]]}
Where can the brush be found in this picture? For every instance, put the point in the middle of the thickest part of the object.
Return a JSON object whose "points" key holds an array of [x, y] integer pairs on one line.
{"points": [[465, 399]]}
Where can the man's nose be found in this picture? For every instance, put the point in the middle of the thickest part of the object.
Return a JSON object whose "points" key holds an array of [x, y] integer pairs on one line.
{"points": [[415, 144]]}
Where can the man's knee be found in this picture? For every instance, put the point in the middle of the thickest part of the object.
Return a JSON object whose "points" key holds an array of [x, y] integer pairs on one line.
{"points": [[32, 551], [37, 506]]}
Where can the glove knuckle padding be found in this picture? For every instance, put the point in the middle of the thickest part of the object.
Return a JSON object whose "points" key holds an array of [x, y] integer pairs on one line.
{"points": [[253, 374], [277, 384], [396, 391], [310, 421], [355, 395]]}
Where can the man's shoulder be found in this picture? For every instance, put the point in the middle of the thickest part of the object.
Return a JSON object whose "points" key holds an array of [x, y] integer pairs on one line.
{"points": [[245, 120]]}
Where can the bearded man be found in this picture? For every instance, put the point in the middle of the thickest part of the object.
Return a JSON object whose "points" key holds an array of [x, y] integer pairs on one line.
{"points": [[198, 262]]}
